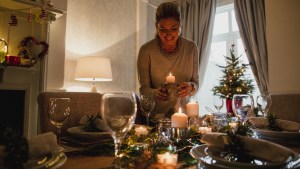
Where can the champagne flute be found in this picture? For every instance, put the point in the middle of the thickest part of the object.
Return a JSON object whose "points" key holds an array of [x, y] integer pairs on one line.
{"points": [[58, 111], [118, 112], [218, 103], [264, 103], [147, 104], [242, 104]]}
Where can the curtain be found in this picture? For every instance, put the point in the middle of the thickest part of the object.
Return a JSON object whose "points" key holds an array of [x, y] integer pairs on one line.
{"points": [[251, 20], [197, 17]]}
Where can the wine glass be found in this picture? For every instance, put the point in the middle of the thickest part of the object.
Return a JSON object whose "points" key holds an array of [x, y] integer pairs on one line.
{"points": [[147, 104], [264, 103], [58, 111], [242, 104], [218, 103], [118, 112]]}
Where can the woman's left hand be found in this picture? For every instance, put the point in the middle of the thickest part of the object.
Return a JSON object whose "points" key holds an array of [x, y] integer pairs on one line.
{"points": [[184, 89]]}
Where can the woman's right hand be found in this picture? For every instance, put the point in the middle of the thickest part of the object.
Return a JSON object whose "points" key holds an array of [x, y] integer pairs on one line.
{"points": [[161, 94]]}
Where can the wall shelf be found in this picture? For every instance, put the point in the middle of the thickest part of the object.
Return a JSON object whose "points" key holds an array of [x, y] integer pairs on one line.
{"points": [[23, 5]]}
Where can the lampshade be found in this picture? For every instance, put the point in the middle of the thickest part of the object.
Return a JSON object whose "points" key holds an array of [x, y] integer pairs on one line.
{"points": [[93, 69]]}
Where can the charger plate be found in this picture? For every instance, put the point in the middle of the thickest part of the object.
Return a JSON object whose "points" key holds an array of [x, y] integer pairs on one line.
{"points": [[49, 161], [210, 160], [277, 134], [80, 132]]}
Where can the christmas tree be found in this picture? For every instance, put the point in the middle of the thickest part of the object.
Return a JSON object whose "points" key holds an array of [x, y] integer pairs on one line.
{"points": [[233, 80]]}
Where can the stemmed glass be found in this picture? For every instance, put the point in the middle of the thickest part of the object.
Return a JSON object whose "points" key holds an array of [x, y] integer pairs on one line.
{"points": [[58, 111], [218, 103], [118, 112], [147, 104], [242, 104], [264, 103]]}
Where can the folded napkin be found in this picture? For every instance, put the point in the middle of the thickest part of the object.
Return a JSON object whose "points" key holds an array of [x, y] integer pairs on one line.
{"points": [[98, 123], [263, 123], [261, 149], [42, 144]]}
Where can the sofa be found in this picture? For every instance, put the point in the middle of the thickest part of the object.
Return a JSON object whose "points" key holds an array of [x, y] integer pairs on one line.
{"points": [[82, 103], [285, 106]]}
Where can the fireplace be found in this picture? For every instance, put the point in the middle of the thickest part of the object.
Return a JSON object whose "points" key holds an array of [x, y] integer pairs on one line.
{"points": [[19, 88], [12, 105]]}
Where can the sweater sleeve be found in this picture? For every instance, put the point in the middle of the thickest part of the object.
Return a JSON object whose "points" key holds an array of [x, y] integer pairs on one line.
{"points": [[143, 67]]}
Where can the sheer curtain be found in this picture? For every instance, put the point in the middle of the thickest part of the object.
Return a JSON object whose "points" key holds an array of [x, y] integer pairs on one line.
{"points": [[251, 20], [197, 25]]}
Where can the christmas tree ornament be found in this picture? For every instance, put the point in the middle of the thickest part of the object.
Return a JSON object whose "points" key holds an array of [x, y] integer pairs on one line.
{"points": [[43, 14], [13, 20], [29, 16]]}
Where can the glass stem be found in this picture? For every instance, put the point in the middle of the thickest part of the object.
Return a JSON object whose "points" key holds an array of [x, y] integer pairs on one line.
{"points": [[117, 153], [58, 135], [147, 118]]}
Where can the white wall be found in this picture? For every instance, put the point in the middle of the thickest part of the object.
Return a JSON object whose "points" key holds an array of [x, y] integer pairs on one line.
{"points": [[105, 28], [283, 26], [54, 75]]}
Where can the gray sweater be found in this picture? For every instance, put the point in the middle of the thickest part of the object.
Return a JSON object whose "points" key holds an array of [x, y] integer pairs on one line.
{"points": [[153, 68]]}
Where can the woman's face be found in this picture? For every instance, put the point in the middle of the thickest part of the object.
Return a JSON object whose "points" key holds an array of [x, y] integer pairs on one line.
{"points": [[168, 31]]}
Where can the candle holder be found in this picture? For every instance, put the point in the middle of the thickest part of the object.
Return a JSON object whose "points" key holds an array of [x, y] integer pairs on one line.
{"points": [[171, 90], [179, 133]]}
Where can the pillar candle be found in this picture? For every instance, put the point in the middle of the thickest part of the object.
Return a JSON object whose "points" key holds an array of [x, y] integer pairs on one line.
{"points": [[179, 119], [192, 109], [170, 79], [167, 159]]}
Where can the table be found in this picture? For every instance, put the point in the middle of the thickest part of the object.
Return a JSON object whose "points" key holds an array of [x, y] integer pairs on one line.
{"points": [[96, 162]]}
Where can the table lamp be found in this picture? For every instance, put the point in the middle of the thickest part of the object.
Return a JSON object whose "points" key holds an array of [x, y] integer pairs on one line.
{"points": [[93, 69]]}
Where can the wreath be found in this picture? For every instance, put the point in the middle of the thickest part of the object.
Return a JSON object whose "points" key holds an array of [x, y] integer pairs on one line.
{"points": [[29, 49]]}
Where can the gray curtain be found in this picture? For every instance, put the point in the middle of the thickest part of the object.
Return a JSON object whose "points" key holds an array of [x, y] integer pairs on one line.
{"points": [[197, 25], [251, 20]]}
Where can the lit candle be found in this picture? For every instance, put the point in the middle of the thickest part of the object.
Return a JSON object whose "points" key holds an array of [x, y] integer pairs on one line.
{"points": [[170, 79], [205, 130], [141, 131], [167, 159], [192, 109], [233, 126], [179, 119]]}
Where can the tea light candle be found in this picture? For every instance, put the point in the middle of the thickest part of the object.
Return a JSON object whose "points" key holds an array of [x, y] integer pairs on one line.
{"points": [[179, 119], [141, 131], [170, 79], [233, 126], [167, 159], [205, 130], [192, 109]]}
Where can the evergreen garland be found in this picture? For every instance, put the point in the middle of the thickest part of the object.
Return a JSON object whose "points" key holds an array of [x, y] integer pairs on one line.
{"points": [[233, 80], [16, 148]]}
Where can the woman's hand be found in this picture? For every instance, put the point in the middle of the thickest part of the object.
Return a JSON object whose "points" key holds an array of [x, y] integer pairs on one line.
{"points": [[184, 89], [161, 94]]}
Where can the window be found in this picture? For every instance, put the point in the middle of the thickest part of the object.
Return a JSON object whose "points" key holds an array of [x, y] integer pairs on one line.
{"points": [[225, 33]]}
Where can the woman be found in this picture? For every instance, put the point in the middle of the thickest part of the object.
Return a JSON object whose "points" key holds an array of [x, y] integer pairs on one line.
{"points": [[168, 53]]}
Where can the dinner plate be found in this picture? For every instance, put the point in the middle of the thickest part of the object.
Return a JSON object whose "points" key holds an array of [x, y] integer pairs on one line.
{"points": [[215, 153], [277, 134], [80, 132], [49, 161], [206, 161]]}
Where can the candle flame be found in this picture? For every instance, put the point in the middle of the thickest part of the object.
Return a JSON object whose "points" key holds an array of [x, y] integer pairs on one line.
{"points": [[170, 74], [179, 110]]}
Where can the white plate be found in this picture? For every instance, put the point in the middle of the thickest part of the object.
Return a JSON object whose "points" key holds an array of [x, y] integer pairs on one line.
{"points": [[215, 154], [80, 132], [198, 152], [50, 161], [277, 134]]}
